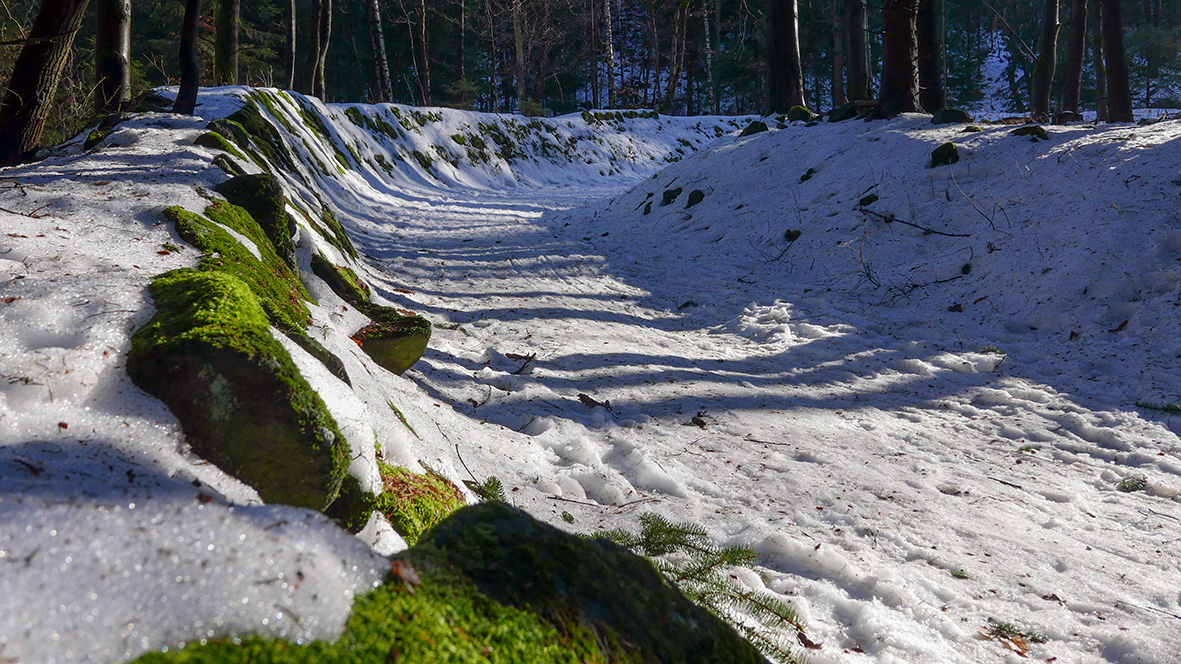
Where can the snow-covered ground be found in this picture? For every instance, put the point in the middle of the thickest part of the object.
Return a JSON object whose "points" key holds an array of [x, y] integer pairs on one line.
{"points": [[920, 411]]}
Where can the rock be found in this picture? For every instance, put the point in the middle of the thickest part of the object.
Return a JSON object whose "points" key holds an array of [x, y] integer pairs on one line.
{"points": [[755, 127], [950, 116], [671, 195], [799, 113], [945, 155], [395, 341], [325, 356], [971, 129], [413, 503], [262, 197], [342, 280], [843, 112], [695, 197], [227, 164], [208, 354], [1035, 132], [581, 584]]}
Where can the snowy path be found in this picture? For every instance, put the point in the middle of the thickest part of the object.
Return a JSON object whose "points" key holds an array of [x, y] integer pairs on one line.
{"points": [[863, 460]]}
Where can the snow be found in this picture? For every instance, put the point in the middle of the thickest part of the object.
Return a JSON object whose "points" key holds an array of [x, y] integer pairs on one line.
{"points": [[871, 407]]}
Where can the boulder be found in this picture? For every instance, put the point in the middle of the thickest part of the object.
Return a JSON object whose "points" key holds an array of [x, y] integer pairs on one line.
{"points": [[262, 197], [393, 340], [950, 116], [945, 155]]}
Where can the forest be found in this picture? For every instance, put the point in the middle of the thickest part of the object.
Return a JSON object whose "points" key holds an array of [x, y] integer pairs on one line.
{"points": [[551, 57]]}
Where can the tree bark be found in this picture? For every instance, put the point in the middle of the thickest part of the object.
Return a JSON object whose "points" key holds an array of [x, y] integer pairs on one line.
{"points": [[423, 65], [321, 87], [225, 45], [900, 76], [932, 93], [1073, 76], [838, 55], [112, 55], [30, 91], [677, 61], [1119, 98], [190, 63], [855, 37], [308, 84], [709, 63], [785, 75], [289, 59], [383, 87], [1043, 69], [1097, 59], [609, 44], [519, 42], [460, 36]]}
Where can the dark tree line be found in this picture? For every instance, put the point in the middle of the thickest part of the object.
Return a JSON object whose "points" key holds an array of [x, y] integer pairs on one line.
{"points": [[556, 56]]}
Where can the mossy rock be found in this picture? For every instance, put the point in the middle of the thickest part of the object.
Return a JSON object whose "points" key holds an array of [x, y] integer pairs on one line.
{"points": [[671, 195], [209, 355], [330, 229], [1035, 132], [843, 112], [104, 128], [394, 340], [342, 280], [648, 208], [972, 129], [261, 133], [950, 116], [695, 197], [945, 155], [276, 284], [582, 585], [799, 113], [227, 164], [414, 503], [215, 141], [262, 197], [755, 127], [317, 350]]}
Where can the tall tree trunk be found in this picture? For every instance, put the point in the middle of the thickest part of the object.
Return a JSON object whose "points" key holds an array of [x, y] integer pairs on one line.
{"points": [[609, 44], [112, 54], [1043, 69], [932, 93], [1073, 77], [30, 91], [190, 63], [460, 37], [856, 22], [900, 76], [709, 63], [383, 87], [838, 54], [1119, 98], [308, 84], [321, 89], [519, 42], [225, 44], [289, 61], [1097, 59], [677, 61], [785, 75]]}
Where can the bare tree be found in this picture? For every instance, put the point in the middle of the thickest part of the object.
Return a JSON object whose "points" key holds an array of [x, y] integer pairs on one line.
{"points": [[383, 87], [1043, 69], [1073, 76], [112, 54], [609, 44], [838, 54], [785, 76], [190, 64], [289, 60], [900, 76], [1119, 98], [1097, 58], [225, 43], [35, 76]]}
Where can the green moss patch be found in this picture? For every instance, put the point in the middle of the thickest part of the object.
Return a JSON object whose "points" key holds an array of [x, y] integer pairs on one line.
{"points": [[755, 127], [276, 284], [342, 280], [215, 141], [227, 164], [264, 135], [843, 112], [394, 340], [799, 113], [950, 116], [1035, 132], [330, 229], [413, 503], [209, 355], [945, 155], [262, 197]]}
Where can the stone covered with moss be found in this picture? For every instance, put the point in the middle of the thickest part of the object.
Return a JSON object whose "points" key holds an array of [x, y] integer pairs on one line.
{"points": [[209, 355], [394, 340], [414, 503], [342, 280], [755, 127], [262, 197], [491, 584], [1035, 132], [945, 155], [799, 113]]}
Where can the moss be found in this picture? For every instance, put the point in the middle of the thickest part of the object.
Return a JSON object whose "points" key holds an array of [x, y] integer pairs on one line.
{"points": [[209, 355], [394, 340], [330, 229], [264, 135], [215, 141], [413, 503], [843, 112], [227, 164], [262, 197], [104, 128], [971, 129], [1035, 132], [317, 350], [238, 135], [945, 155], [755, 127], [277, 286], [799, 113], [342, 280], [950, 116]]}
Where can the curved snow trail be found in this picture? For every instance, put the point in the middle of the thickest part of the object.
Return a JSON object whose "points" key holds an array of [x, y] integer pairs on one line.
{"points": [[865, 459]]}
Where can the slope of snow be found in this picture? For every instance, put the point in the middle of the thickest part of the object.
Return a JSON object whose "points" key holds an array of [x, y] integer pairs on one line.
{"points": [[872, 407]]}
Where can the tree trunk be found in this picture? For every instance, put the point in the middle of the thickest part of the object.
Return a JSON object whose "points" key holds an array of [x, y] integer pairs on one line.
{"points": [[1097, 59], [190, 63], [225, 44], [932, 93], [112, 55], [383, 87], [460, 37], [785, 75], [609, 44], [838, 55], [321, 88], [1073, 76], [709, 64], [289, 48], [855, 37], [519, 42], [900, 75], [308, 85], [677, 61], [1043, 70], [30, 91], [1119, 99]]}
